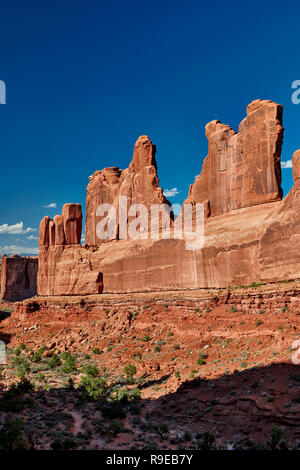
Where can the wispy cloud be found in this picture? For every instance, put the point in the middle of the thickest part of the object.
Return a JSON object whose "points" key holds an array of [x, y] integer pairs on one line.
{"points": [[287, 164], [171, 192], [51, 205], [32, 237], [18, 250], [16, 229]]}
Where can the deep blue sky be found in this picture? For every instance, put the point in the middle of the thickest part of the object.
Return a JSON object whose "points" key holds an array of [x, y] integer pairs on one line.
{"points": [[86, 78]]}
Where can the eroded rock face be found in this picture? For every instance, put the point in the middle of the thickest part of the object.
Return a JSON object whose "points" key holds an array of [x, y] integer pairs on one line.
{"points": [[64, 267], [242, 169], [255, 236], [139, 183], [18, 277]]}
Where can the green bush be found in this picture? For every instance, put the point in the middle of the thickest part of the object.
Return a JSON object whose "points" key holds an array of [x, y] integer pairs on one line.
{"points": [[277, 439], [93, 387], [161, 429], [126, 395], [69, 363], [129, 371], [22, 365], [112, 410], [12, 399], [206, 440], [37, 356], [53, 361], [90, 370], [11, 436], [19, 349]]}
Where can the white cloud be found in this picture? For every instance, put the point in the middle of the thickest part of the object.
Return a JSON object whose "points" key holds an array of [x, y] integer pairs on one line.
{"points": [[16, 229], [197, 176], [51, 205], [32, 237], [171, 192], [287, 164], [18, 250]]}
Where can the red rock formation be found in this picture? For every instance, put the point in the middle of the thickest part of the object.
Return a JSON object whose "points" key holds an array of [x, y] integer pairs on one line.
{"points": [[18, 277], [64, 267], [243, 169], [250, 236], [139, 183]]}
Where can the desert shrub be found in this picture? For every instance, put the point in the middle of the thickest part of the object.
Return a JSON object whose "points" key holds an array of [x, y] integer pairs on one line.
{"points": [[255, 284], [93, 388], [201, 362], [69, 363], [96, 351], [90, 370], [206, 440], [53, 361], [22, 365], [112, 410], [277, 439], [19, 349], [126, 395], [129, 371], [160, 429], [187, 436], [37, 356], [12, 399], [64, 443], [11, 436], [115, 428]]}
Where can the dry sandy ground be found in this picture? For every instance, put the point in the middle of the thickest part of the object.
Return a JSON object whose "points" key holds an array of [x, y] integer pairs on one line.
{"points": [[207, 361]]}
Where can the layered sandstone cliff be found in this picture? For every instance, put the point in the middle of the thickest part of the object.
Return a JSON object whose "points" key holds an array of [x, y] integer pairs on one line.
{"points": [[242, 169], [250, 234], [59, 242], [18, 277], [138, 184]]}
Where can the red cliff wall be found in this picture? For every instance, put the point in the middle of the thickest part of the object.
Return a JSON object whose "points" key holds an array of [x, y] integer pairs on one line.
{"points": [[250, 234], [242, 169], [18, 277], [60, 239]]}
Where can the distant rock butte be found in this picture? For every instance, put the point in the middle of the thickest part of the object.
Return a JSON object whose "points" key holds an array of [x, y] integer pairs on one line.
{"points": [[18, 277], [250, 234]]}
